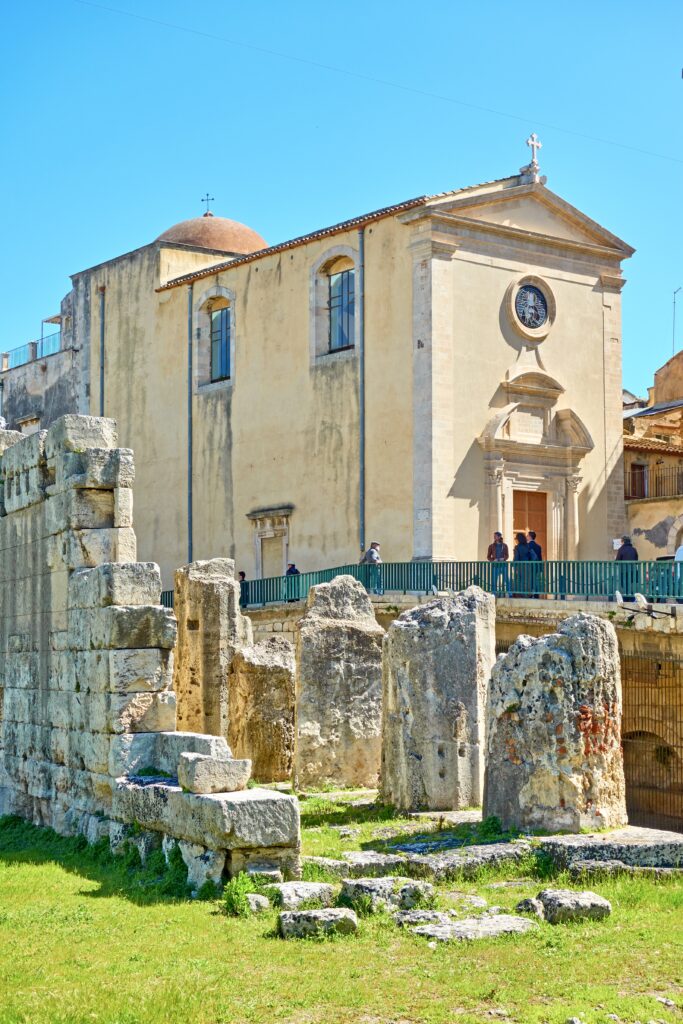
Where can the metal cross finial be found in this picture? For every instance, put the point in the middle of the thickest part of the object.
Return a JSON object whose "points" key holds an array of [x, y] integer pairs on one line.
{"points": [[208, 199], [535, 144]]}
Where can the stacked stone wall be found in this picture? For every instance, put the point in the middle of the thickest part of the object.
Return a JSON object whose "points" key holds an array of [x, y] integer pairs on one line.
{"points": [[87, 709]]}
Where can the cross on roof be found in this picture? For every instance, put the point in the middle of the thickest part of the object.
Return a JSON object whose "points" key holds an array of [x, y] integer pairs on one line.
{"points": [[208, 199], [535, 144]]}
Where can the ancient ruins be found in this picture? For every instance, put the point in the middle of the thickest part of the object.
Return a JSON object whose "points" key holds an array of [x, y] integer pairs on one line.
{"points": [[437, 662], [338, 687], [87, 729], [553, 757]]}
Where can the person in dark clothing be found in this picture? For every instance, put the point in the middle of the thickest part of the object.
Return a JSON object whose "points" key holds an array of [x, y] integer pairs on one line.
{"points": [[627, 552], [498, 553], [244, 589], [522, 553], [292, 585], [627, 577], [536, 548]]}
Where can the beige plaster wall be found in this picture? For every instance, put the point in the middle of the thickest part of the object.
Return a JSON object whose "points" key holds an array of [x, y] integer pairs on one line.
{"points": [[656, 526], [285, 429]]}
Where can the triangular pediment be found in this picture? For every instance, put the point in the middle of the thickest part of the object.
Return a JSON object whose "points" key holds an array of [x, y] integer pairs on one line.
{"points": [[531, 209]]}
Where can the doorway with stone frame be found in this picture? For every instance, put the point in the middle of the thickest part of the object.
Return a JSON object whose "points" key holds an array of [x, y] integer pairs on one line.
{"points": [[530, 512]]}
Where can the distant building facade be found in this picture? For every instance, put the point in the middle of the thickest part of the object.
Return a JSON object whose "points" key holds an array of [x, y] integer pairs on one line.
{"points": [[422, 375], [653, 463]]}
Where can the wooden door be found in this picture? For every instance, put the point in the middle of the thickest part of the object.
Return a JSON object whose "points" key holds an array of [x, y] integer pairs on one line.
{"points": [[530, 512]]}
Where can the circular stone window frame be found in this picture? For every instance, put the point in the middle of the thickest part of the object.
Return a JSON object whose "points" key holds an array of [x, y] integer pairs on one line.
{"points": [[530, 333]]}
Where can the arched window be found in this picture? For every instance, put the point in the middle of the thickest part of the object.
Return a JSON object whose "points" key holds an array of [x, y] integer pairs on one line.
{"points": [[220, 343], [341, 306], [334, 324], [214, 363]]}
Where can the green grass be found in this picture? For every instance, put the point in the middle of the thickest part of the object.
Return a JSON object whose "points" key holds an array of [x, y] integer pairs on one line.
{"points": [[88, 938]]}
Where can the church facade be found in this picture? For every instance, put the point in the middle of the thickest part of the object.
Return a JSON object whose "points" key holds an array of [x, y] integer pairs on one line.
{"points": [[421, 376]]}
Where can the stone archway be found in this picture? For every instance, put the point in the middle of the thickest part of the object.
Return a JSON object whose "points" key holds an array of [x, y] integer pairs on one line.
{"points": [[675, 535]]}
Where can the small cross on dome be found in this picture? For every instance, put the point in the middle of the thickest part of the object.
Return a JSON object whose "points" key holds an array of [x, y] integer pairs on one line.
{"points": [[208, 199]]}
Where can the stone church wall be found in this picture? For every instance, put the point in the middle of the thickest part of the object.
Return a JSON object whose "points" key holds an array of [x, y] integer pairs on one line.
{"points": [[87, 710]]}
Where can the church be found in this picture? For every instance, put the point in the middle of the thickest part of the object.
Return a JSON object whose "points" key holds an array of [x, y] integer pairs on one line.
{"points": [[421, 375]]}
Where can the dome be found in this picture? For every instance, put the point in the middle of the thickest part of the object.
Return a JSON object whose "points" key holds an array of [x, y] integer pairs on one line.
{"points": [[209, 232]]}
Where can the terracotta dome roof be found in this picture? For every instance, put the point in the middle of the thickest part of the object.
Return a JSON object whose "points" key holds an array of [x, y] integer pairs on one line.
{"points": [[209, 232]]}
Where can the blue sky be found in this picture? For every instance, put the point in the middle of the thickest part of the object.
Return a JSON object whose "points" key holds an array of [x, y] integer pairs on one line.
{"points": [[115, 126]]}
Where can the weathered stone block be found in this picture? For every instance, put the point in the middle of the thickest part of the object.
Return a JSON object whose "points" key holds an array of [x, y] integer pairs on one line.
{"points": [[299, 924], [261, 689], [122, 627], [132, 671], [338, 687], [141, 712], [132, 752], [24, 472], [202, 865], [133, 584], [292, 895], [96, 467], [219, 821], [78, 433], [211, 628], [79, 548], [554, 759], [201, 774], [79, 510], [561, 905], [437, 661]]}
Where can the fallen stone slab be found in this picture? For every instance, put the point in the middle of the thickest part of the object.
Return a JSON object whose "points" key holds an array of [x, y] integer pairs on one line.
{"points": [[560, 905], [470, 902], [473, 928], [340, 868], [606, 868], [390, 893], [368, 863], [199, 773], [408, 918], [441, 866], [639, 847], [292, 895], [300, 924], [251, 819]]}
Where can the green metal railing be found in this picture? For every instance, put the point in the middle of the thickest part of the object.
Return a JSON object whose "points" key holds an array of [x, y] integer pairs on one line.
{"points": [[657, 581]]}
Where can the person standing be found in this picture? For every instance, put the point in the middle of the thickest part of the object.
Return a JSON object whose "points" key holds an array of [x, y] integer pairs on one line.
{"points": [[373, 558], [522, 575], [244, 589], [627, 576], [498, 553], [291, 584], [536, 550]]}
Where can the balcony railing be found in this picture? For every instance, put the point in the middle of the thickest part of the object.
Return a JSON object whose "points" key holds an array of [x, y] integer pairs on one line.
{"points": [[33, 350], [657, 581], [665, 482]]}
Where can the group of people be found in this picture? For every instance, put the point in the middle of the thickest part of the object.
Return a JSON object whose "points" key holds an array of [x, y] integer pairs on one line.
{"points": [[291, 589], [526, 549]]}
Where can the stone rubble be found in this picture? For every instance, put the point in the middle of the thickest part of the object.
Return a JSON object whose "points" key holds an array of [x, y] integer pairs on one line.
{"points": [[464, 861], [389, 894], [299, 924], [437, 662], [554, 758], [470, 929], [560, 905], [257, 904], [291, 895], [338, 687]]}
